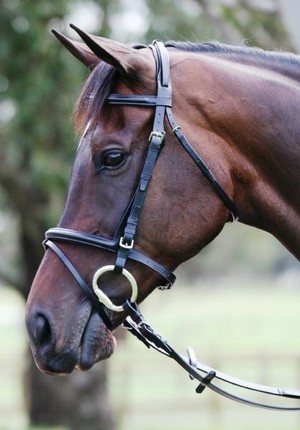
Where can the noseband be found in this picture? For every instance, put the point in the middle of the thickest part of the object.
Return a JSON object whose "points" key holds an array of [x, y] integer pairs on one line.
{"points": [[122, 244]]}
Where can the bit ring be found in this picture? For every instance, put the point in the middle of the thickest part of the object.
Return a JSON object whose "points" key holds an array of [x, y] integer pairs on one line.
{"points": [[103, 298]]}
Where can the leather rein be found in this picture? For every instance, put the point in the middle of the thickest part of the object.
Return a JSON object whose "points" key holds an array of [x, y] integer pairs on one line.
{"points": [[122, 244]]}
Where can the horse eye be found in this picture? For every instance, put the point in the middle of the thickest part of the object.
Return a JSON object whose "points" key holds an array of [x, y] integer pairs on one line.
{"points": [[113, 158], [110, 159]]}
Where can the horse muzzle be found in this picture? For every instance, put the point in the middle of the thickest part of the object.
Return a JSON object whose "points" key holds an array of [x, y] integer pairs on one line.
{"points": [[74, 344]]}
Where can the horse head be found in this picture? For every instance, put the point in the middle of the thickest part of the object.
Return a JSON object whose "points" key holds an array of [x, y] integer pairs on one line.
{"points": [[137, 203]]}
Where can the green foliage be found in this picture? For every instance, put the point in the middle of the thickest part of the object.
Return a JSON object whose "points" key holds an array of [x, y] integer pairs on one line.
{"points": [[39, 83], [257, 29], [41, 86]]}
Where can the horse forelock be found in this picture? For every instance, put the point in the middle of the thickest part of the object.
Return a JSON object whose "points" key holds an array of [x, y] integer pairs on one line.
{"points": [[93, 95]]}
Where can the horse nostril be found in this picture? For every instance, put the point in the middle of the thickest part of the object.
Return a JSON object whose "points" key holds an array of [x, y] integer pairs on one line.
{"points": [[42, 331]]}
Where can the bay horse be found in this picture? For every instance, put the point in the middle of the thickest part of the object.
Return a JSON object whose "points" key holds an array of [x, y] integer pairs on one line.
{"points": [[224, 145]]}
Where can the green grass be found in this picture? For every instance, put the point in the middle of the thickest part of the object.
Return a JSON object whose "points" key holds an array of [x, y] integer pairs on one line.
{"points": [[247, 329], [12, 361]]}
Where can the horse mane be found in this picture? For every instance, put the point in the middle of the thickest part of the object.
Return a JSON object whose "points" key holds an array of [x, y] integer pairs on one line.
{"points": [[285, 63], [236, 51], [102, 79]]}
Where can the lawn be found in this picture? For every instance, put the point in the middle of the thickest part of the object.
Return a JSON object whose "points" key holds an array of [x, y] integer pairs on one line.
{"points": [[249, 331], [244, 328]]}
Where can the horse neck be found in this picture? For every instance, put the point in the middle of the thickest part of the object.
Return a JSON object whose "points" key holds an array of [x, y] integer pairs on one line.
{"points": [[252, 111]]}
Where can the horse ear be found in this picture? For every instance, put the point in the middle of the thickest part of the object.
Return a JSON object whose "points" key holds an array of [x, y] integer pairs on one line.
{"points": [[125, 59], [79, 50]]}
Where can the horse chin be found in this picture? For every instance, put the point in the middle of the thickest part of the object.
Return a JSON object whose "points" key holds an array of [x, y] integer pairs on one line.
{"points": [[97, 343]]}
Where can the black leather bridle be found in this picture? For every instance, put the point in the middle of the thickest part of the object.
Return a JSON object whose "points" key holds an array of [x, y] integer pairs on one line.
{"points": [[122, 243]]}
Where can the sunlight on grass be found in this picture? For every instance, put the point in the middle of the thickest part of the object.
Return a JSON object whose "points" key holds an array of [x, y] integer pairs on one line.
{"points": [[12, 361], [249, 330]]}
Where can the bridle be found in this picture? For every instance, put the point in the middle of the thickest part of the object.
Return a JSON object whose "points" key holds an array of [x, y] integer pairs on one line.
{"points": [[122, 243]]}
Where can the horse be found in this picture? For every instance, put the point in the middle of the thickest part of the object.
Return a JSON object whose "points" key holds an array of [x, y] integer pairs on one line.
{"points": [[178, 139]]}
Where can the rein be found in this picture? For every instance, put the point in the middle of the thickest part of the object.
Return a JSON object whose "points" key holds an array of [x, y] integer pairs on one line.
{"points": [[138, 327], [122, 243]]}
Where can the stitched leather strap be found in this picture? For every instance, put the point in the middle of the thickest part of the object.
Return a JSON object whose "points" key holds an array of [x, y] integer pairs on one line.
{"points": [[137, 326], [139, 100], [156, 139], [72, 236], [89, 294]]}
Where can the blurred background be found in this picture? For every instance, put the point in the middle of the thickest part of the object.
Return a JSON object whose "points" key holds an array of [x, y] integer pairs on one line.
{"points": [[236, 303]]}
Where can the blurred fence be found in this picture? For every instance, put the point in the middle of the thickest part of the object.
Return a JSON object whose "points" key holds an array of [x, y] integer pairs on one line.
{"points": [[236, 331], [163, 400]]}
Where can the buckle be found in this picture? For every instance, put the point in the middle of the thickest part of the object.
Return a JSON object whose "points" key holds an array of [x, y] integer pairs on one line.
{"points": [[159, 134], [166, 286], [126, 245]]}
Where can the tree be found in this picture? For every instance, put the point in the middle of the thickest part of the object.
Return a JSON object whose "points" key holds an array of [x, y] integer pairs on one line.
{"points": [[39, 82]]}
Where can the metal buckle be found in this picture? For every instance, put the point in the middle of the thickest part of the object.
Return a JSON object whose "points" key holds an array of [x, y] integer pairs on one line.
{"points": [[167, 286], [159, 134], [126, 245]]}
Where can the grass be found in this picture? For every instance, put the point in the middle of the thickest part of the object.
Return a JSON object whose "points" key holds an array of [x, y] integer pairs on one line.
{"points": [[247, 329], [249, 332], [12, 357]]}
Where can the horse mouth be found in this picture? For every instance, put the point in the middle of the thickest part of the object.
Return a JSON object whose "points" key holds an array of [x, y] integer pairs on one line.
{"points": [[97, 343], [84, 344]]}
